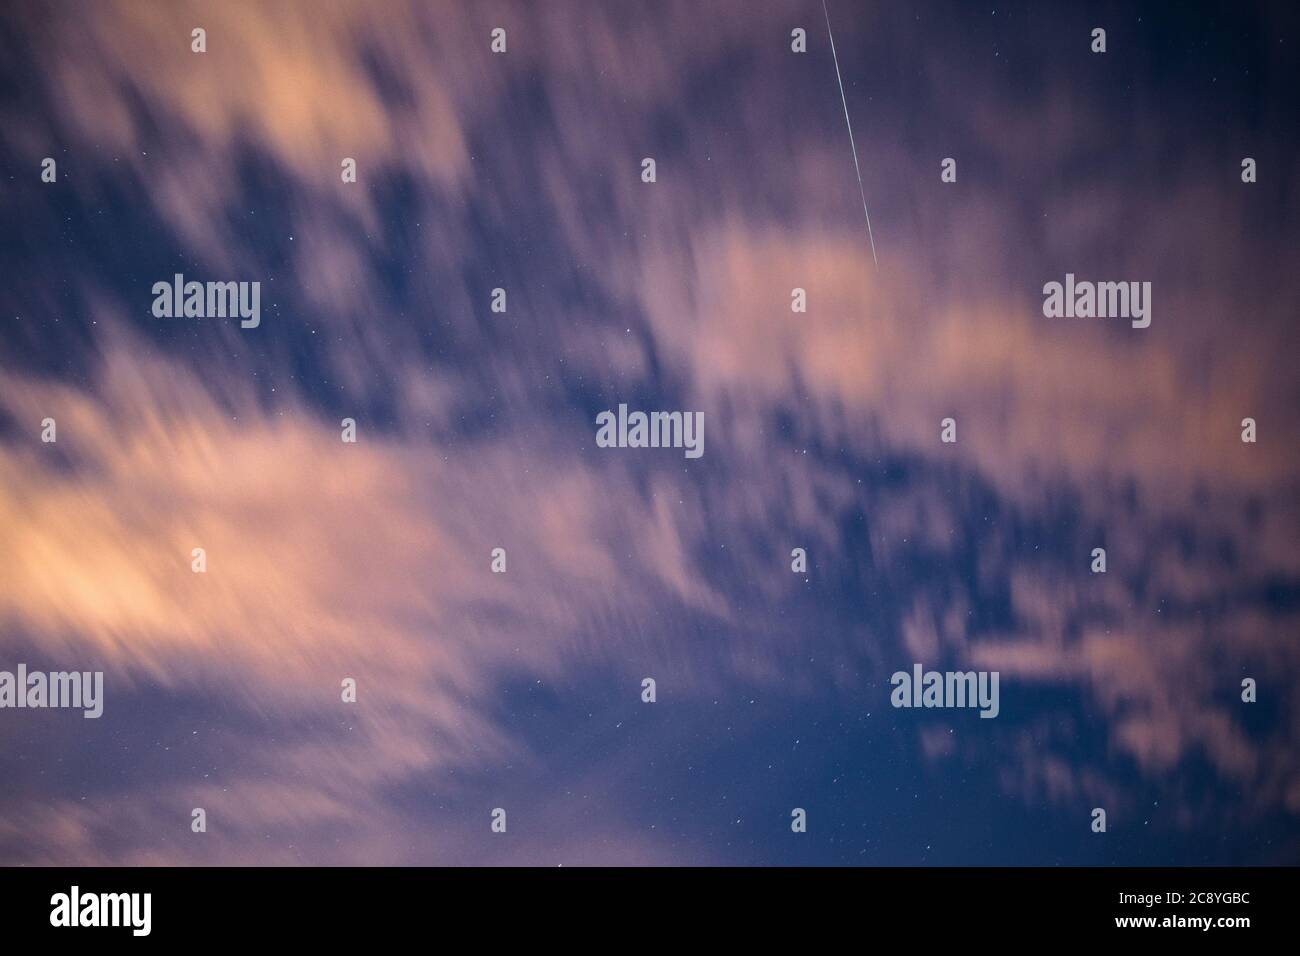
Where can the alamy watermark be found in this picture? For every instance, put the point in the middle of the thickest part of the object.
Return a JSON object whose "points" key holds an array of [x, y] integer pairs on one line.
{"points": [[922, 688], [74, 908], [37, 689], [651, 430], [208, 300], [1101, 300]]}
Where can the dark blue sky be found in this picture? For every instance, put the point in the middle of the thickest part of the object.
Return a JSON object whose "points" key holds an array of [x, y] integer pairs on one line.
{"points": [[476, 430]]}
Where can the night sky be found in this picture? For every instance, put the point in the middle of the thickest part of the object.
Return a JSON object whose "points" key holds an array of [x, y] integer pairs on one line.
{"points": [[476, 430]]}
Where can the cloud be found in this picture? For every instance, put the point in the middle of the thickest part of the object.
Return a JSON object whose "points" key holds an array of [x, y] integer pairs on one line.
{"points": [[324, 561], [371, 560]]}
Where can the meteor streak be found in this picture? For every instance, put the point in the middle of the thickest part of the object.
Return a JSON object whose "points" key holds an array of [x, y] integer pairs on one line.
{"points": [[856, 168]]}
